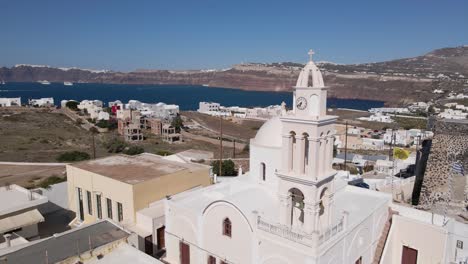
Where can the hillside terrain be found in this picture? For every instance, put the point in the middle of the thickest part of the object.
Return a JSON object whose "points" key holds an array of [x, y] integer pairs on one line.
{"points": [[395, 82]]}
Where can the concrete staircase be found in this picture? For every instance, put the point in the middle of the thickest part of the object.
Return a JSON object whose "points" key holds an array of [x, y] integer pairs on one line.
{"points": [[383, 237], [76, 222]]}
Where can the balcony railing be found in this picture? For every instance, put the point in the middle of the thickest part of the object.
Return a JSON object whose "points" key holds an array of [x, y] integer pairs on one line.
{"points": [[300, 237], [284, 232], [331, 232]]}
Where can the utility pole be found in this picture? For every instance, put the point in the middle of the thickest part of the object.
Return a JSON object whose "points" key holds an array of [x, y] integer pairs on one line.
{"points": [[220, 144], [234, 149], [346, 146], [94, 148], [93, 131]]}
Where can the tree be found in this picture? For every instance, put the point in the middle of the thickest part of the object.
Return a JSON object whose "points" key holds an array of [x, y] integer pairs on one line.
{"points": [[115, 145], [134, 150], [79, 121], [102, 123], [177, 123], [73, 156], [228, 168], [73, 105], [163, 153]]}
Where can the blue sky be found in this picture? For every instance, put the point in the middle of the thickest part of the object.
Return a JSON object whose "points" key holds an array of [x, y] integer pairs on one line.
{"points": [[174, 34]]}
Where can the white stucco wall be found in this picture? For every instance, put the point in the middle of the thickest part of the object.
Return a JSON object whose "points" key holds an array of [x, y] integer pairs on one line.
{"points": [[237, 248], [272, 158], [417, 235]]}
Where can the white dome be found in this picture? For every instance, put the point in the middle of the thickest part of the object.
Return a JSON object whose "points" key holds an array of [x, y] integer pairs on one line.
{"points": [[270, 133], [310, 75]]}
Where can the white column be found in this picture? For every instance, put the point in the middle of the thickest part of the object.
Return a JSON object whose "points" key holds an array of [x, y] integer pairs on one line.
{"points": [[287, 153], [321, 157], [331, 201], [311, 212], [285, 210], [299, 155]]}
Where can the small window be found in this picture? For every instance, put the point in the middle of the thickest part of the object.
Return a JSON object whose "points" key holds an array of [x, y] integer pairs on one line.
{"points": [[263, 171], [227, 227], [98, 206], [90, 203], [109, 208], [211, 260], [120, 212]]}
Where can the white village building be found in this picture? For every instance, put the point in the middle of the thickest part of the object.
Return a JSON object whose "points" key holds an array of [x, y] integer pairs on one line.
{"points": [[159, 110], [7, 102], [41, 102], [290, 208]]}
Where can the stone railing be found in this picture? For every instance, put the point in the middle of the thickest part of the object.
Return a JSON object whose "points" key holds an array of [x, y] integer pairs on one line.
{"points": [[332, 231], [287, 232]]}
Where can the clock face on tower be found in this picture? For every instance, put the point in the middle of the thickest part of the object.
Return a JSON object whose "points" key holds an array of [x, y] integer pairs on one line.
{"points": [[301, 103]]}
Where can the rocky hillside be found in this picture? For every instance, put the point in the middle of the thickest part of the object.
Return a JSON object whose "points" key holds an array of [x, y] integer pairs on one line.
{"points": [[396, 81]]}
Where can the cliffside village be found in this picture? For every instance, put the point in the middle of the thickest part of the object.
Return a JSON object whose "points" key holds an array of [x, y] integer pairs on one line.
{"points": [[299, 202]]}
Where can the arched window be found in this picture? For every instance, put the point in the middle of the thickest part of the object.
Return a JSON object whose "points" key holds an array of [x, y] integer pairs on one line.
{"points": [[227, 227], [297, 207], [306, 149], [263, 171], [322, 207]]}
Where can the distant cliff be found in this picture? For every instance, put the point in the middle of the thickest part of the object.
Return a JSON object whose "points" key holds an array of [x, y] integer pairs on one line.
{"points": [[395, 82]]}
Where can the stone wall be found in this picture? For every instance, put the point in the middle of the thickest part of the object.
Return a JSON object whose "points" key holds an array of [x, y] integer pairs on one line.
{"points": [[439, 190]]}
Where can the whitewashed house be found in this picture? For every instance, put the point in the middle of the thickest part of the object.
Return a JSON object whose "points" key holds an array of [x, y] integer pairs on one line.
{"points": [[7, 102], [41, 102], [372, 143], [399, 137], [102, 115], [208, 107]]}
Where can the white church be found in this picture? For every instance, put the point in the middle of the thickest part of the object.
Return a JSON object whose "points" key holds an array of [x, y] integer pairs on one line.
{"points": [[291, 207]]}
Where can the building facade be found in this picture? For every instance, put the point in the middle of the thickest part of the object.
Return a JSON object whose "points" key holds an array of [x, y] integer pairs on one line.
{"points": [[289, 208]]}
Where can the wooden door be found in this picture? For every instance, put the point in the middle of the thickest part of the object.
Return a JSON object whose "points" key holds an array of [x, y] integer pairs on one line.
{"points": [[161, 239], [149, 245], [184, 253], [409, 256]]}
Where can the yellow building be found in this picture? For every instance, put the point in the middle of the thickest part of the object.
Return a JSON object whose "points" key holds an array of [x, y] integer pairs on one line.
{"points": [[117, 187]]}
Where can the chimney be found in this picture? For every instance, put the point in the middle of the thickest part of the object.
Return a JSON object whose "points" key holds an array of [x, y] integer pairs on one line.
{"points": [[7, 240]]}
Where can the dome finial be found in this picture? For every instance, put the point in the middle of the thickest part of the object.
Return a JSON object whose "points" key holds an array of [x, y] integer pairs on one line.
{"points": [[311, 53]]}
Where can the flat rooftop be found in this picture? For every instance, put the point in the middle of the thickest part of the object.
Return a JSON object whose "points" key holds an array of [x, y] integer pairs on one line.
{"points": [[15, 198], [64, 245], [135, 169], [124, 254]]}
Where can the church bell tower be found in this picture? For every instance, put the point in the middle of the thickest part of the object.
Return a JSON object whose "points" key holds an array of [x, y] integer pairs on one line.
{"points": [[306, 177]]}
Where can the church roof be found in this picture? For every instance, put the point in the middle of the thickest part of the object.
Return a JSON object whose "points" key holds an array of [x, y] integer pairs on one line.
{"points": [[310, 75], [240, 191], [270, 133]]}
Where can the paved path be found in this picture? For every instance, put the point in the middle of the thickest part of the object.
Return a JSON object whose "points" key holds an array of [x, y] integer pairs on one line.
{"points": [[85, 124], [414, 117], [228, 144], [32, 163], [217, 131]]}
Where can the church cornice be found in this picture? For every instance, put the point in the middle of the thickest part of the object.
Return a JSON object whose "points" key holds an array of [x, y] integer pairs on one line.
{"points": [[310, 88], [306, 181], [323, 120]]}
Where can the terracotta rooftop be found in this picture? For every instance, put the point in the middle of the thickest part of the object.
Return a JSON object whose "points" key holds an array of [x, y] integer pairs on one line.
{"points": [[135, 169]]}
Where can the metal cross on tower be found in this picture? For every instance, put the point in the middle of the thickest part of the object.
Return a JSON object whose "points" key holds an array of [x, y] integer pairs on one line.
{"points": [[311, 53]]}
